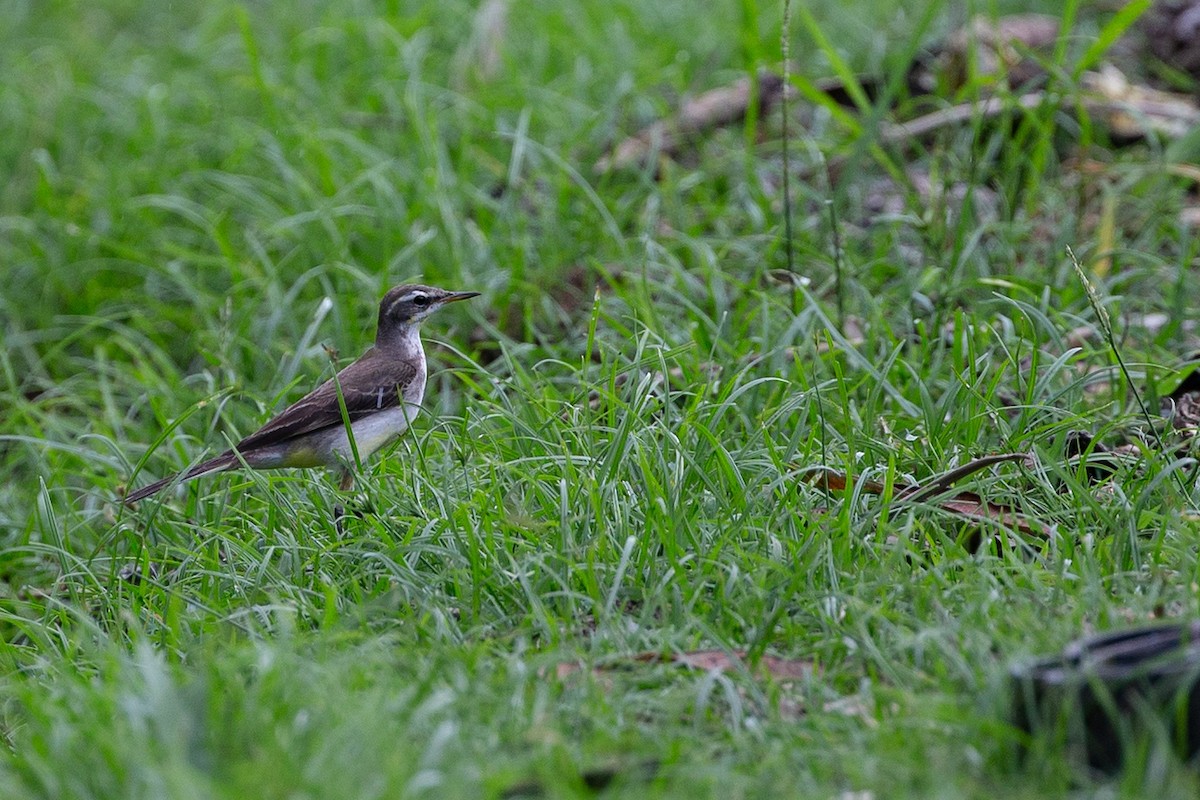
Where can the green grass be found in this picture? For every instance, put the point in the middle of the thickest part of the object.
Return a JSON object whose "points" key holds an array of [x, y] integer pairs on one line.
{"points": [[198, 198]]}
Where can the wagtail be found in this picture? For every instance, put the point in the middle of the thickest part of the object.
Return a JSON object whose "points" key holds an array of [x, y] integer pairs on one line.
{"points": [[381, 392]]}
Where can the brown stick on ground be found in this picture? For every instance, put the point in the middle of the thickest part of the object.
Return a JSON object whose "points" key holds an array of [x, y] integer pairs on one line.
{"points": [[712, 109]]}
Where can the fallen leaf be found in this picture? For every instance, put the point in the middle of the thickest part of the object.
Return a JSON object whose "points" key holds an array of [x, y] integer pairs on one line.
{"points": [[963, 504], [734, 661]]}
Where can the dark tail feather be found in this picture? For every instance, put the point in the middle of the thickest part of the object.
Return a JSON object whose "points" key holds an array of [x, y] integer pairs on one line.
{"points": [[222, 462]]}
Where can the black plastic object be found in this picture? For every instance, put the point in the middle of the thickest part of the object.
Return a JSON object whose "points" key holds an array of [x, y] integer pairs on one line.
{"points": [[1106, 692]]}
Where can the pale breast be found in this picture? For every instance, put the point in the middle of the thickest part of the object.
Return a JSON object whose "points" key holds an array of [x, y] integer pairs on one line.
{"points": [[370, 433], [372, 430]]}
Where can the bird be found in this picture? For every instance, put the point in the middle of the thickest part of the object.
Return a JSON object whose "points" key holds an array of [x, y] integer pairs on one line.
{"points": [[381, 393]]}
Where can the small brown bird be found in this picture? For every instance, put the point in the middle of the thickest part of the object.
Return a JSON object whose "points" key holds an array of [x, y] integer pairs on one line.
{"points": [[382, 393]]}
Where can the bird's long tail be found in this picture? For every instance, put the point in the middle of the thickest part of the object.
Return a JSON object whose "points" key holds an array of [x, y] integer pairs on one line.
{"points": [[219, 464]]}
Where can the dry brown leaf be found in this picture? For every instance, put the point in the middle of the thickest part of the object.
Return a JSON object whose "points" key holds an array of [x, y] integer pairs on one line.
{"points": [[963, 504], [734, 661]]}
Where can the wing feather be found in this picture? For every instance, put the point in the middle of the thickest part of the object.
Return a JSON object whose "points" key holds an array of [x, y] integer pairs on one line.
{"points": [[371, 384]]}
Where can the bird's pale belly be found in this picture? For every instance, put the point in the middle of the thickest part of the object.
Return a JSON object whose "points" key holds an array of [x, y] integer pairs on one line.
{"points": [[331, 447]]}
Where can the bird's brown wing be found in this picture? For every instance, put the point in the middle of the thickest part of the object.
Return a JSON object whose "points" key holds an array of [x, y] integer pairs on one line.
{"points": [[370, 384]]}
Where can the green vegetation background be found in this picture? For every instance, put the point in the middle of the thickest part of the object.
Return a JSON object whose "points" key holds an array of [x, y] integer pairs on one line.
{"points": [[199, 198]]}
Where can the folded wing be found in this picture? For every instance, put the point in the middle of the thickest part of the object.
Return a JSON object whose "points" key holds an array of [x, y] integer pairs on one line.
{"points": [[371, 384]]}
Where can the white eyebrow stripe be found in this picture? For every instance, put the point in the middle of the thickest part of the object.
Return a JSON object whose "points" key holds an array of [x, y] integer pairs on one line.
{"points": [[407, 296]]}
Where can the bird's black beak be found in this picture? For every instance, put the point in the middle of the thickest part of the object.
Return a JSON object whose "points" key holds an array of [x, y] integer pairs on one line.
{"points": [[454, 297]]}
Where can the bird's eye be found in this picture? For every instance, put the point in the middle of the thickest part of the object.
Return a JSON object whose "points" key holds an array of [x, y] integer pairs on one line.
{"points": [[420, 300]]}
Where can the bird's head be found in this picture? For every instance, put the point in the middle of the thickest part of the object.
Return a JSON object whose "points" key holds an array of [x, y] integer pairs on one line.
{"points": [[411, 303]]}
